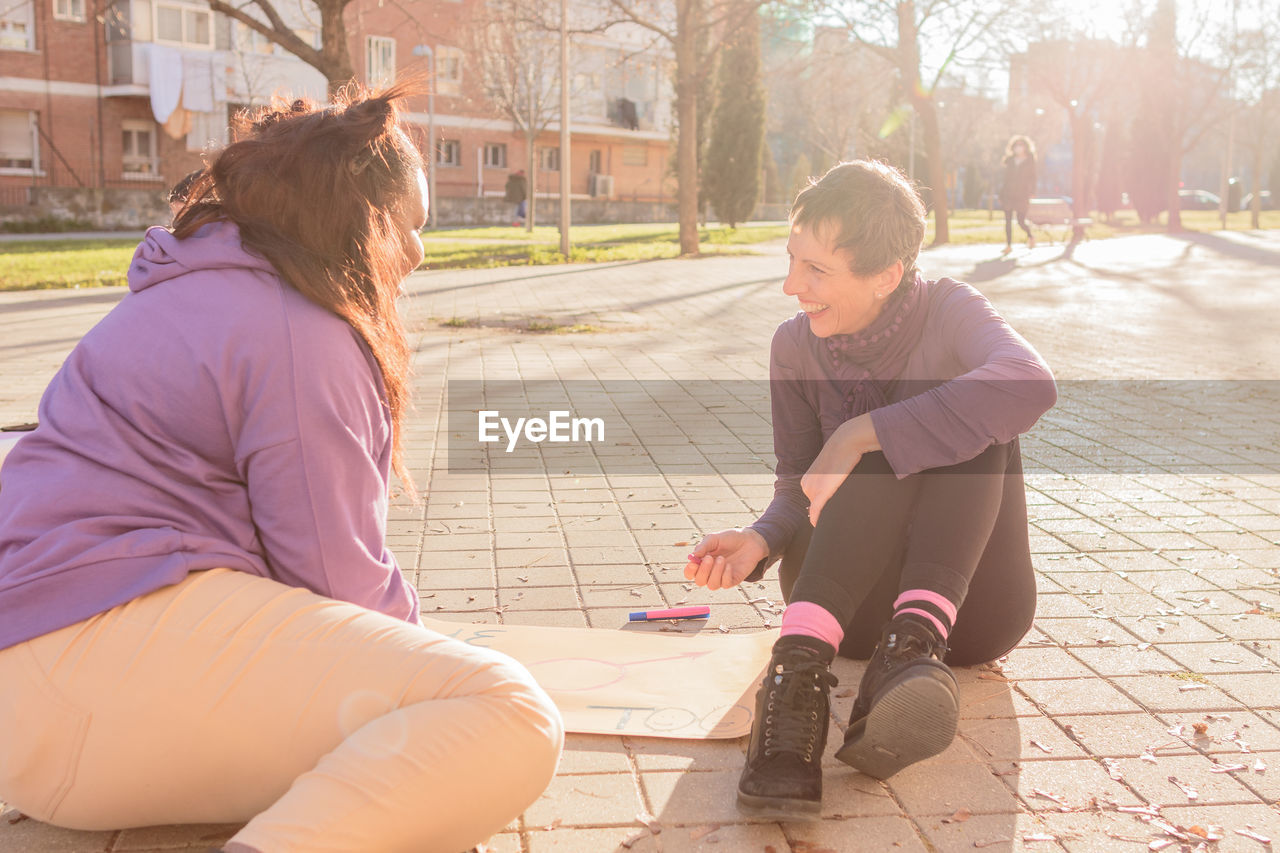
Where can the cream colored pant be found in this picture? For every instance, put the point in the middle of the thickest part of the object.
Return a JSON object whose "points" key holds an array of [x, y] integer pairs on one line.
{"points": [[230, 698]]}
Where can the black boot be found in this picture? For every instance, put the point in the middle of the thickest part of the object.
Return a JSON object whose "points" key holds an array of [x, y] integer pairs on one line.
{"points": [[783, 775], [908, 704]]}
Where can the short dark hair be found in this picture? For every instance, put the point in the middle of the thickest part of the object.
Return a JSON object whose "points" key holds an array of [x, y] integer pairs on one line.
{"points": [[182, 188], [873, 211]]}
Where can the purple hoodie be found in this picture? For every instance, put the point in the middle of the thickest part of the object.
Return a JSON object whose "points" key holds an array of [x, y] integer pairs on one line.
{"points": [[215, 418]]}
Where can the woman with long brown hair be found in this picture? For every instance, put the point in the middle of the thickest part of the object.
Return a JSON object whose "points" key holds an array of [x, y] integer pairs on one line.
{"points": [[201, 621]]}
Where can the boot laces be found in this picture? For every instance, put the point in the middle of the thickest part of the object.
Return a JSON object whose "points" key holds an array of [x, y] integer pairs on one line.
{"points": [[795, 712], [901, 646]]}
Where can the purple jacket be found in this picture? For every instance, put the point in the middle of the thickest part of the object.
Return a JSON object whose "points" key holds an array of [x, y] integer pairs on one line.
{"points": [[215, 418], [971, 382]]}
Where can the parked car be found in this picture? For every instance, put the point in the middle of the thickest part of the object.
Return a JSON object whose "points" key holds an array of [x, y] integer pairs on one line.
{"points": [[1198, 200], [1268, 201]]}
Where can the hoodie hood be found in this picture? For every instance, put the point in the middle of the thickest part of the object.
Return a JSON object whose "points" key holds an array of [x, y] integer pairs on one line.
{"points": [[161, 256]]}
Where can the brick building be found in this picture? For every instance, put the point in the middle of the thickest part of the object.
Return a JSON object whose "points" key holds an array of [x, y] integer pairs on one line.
{"points": [[127, 93]]}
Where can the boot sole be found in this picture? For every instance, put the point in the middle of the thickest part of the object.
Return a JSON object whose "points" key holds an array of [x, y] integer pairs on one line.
{"points": [[915, 718], [778, 807]]}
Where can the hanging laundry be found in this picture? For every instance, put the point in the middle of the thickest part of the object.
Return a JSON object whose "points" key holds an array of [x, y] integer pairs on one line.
{"points": [[197, 82], [165, 70]]}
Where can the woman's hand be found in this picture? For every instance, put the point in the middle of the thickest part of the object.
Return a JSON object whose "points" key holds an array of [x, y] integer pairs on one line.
{"points": [[723, 559], [839, 456]]}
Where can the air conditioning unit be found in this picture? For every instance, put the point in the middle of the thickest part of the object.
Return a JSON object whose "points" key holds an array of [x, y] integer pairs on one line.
{"points": [[600, 186]]}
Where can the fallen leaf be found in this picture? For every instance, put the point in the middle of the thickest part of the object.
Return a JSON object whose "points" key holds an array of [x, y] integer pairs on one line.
{"points": [[960, 816], [634, 837], [1190, 792], [1048, 796], [991, 842], [1038, 745], [1227, 768], [1161, 843], [1039, 836], [702, 831], [1261, 839], [1259, 766], [1201, 729], [650, 822], [1149, 811]]}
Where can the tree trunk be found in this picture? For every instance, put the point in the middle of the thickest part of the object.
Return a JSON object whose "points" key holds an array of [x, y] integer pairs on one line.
{"points": [[937, 170], [1174, 184], [1081, 170], [337, 68], [923, 104], [1255, 204], [687, 126], [532, 161]]}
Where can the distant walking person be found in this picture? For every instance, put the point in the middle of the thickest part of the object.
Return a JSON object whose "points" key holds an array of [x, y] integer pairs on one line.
{"points": [[1019, 185], [517, 192]]}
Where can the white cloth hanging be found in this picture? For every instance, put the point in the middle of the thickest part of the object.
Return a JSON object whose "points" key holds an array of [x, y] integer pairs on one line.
{"points": [[165, 69], [197, 82]]}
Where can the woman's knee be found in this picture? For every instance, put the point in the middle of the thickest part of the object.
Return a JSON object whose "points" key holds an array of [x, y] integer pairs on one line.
{"points": [[517, 690]]}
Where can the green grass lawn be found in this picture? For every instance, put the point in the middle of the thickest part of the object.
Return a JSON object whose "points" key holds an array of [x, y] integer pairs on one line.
{"points": [[477, 247], [29, 265], [64, 263]]}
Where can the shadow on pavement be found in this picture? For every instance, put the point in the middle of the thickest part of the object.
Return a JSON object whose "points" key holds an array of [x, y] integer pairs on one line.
{"points": [[96, 296], [1240, 251], [961, 798]]}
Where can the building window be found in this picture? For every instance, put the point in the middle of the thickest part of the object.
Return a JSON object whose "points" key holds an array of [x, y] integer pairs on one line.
{"points": [[18, 151], [495, 155], [635, 155], [593, 162], [138, 149], [18, 25], [380, 66], [549, 158], [448, 70], [448, 153], [189, 26], [68, 10]]}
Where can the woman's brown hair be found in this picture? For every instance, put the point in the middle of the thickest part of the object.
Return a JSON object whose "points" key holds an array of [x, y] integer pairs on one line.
{"points": [[315, 190]]}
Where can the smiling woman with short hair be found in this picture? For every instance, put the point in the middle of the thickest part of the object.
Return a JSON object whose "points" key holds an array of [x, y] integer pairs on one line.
{"points": [[899, 511]]}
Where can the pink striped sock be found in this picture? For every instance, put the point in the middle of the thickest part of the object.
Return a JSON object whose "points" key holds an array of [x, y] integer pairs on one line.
{"points": [[935, 608], [812, 620]]}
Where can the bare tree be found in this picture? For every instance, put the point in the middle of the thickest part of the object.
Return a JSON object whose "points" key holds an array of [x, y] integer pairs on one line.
{"points": [[1259, 90], [896, 30], [693, 23], [1079, 75], [332, 58], [1193, 63], [840, 84], [520, 68]]}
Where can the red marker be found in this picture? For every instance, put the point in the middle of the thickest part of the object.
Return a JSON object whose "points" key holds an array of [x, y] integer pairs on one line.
{"points": [[701, 611]]}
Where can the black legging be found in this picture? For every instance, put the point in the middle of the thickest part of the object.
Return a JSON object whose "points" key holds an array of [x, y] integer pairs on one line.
{"points": [[1008, 224], [960, 531]]}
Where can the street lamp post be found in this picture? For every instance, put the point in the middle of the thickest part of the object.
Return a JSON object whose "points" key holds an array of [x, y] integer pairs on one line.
{"points": [[432, 201], [565, 159]]}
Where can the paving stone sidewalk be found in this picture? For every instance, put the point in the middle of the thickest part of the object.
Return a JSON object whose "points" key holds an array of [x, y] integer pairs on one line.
{"points": [[1143, 709]]}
